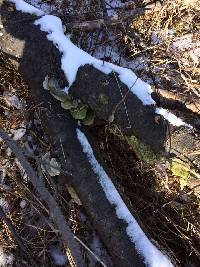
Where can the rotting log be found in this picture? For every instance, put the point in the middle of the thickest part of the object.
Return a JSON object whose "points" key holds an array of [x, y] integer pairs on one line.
{"points": [[37, 58]]}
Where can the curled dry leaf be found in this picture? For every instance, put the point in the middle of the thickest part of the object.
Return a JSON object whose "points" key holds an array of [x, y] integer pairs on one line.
{"points": [[50, 165]]}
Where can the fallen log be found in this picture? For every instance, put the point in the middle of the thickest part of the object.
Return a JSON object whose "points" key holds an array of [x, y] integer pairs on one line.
{"points": [[39, 57]]}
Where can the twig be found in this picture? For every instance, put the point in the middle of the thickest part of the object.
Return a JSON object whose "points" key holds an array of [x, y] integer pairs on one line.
{"points": [[17, 237], [90, 251], [73, 250]]}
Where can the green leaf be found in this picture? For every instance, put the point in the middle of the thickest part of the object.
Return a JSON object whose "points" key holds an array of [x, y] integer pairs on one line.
{"points": [[103, 99], [46, 83], [50, 165], [53, 85]]}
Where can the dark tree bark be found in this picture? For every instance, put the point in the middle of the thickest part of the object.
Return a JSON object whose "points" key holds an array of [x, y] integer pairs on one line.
{"points": [[132, 117]]}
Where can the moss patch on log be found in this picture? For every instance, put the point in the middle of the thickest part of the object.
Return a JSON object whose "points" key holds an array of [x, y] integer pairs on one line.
{"points": [[175, 165], [142, 151], [103, 99], [180, 169]]}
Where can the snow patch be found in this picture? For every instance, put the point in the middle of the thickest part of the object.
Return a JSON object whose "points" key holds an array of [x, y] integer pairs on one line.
{"points": [[23, 204], [41, 5], [12, 100], [183, 43], [58, 257], [112, 7], [25, 7], [4, 205], [155, 38], [5, 259], [171, 118], [152, 256]]}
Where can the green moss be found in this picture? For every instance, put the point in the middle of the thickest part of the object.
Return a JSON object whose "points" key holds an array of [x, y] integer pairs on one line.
{"points": [[142, 151], [56, 91], [103, 99], [181, 169]]}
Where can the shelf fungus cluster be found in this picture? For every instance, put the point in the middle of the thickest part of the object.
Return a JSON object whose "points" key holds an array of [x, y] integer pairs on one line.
{"points": [[78, 110]]}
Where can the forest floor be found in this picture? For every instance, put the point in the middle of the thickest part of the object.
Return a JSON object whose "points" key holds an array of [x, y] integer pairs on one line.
{"points": [[163, 48]]}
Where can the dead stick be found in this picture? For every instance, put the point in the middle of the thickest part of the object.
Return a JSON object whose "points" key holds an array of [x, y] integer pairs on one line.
{"points": [[55, 212], [17, 237]]}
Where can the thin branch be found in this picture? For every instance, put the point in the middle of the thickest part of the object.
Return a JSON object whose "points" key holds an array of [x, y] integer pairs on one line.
{"points": [[90, 251]]}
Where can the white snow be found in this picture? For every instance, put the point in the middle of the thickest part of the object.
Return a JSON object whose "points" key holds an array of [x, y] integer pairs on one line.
{"points": [[154, 38], [46, 7], [23, 204], [58, 257], [183, 43], [171, 118], [112, 7], [4, 205], [5, 259], [152, 256], [190, 49], [25, 7], [73, 57]]}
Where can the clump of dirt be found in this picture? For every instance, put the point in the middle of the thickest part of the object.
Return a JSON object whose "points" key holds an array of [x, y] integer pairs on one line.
{"points": [[170, 217]]}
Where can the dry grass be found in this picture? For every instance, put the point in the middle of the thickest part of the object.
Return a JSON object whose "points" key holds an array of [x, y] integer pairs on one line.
{"points": [[176, 68]]}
